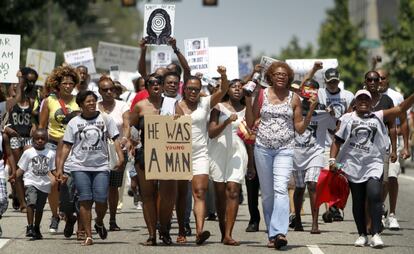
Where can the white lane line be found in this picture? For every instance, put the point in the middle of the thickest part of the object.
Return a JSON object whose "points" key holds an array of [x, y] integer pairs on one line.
{"points": [[406, 177], [3, 242], [314, 249]]}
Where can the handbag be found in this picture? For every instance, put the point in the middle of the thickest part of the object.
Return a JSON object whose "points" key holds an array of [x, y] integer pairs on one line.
{"points": [[246, 134], [113, 158]]}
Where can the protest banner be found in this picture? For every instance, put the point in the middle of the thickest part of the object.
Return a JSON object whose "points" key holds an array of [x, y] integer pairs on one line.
{"points": [[226, 56], [110, 54], [9, 57], [303, 66], [265, 62], [80, 57], [158, 23], [42, 61], [168, 150], [245, 61], [196, 53], [160, 58]]}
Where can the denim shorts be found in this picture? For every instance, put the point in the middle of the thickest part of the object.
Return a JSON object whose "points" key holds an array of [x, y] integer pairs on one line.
{"points": [[92, 185]]}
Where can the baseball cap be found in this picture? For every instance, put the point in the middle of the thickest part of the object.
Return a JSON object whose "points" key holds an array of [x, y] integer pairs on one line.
{"points": [[363, 92], [331, 74]]}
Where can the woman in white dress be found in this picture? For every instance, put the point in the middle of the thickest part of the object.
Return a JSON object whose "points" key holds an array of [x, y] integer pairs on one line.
{"points": [[199, 108], [228, 157]]}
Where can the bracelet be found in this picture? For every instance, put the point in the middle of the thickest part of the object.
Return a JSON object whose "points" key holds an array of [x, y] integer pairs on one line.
{"points": [[331, 161]]}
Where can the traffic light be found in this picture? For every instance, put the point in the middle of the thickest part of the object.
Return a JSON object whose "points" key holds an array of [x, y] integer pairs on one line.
{"points": [[128, 3], [210, 2]]}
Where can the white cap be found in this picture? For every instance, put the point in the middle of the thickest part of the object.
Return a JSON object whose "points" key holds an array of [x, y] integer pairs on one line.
{"points": [[363, 91]]}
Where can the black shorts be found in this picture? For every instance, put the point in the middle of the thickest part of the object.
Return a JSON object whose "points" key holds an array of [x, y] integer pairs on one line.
{"points": [[139, 158], [35, 198], [115, 177]]}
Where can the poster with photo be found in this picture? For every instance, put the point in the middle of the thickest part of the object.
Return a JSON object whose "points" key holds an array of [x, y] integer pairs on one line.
{"points": [[160, 58], [196, 53], [245, 61], [158, 23], [42, 61], [265, 62]]}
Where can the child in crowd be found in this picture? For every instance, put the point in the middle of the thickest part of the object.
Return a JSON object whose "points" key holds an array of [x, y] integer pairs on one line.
{"points": [[36, 165]]}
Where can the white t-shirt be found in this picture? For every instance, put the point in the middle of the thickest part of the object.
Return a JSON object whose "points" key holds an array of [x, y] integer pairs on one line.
{"points": [[365, 144], [116, 114], [396, 98], [36, 165], [128, 97], [339, 102], [88, 138]]}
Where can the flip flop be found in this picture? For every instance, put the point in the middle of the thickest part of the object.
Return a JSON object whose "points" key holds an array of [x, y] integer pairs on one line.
{"points": [[231, 243], [201, 238], [280, 242]]}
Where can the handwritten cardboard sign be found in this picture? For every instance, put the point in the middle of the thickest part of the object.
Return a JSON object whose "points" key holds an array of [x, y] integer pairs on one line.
{"points": [[168, 148], [196, 53], [9, 57], [158, 23], [80, 57], [41, 61], [303, 66], [110, 54]]}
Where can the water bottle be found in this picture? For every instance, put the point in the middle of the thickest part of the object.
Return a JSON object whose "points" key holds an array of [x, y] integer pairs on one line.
{"points": [[206, 79], [251, 85]]}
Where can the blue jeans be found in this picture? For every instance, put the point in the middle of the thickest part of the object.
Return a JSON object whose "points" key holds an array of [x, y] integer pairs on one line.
{"points": [[91, 185], [274, 167]]}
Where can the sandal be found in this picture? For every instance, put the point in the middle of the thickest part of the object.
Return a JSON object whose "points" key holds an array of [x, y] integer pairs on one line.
{"points": [[271, 243], [151, 241], [181, 239], [166, 238], [88, 241], [280, 242], [101, 230], [315, 231], [201, 238], [80, 235], [232, 242]]}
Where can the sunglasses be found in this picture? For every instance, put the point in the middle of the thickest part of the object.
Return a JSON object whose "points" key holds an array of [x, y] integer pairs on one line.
{"points": [[153, 82], [193, 89], [372, 79], [112, 89], [383, 78]]}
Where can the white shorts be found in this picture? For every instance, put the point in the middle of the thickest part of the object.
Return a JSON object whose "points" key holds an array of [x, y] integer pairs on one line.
{"points": [[304, 176], [201, 166]]}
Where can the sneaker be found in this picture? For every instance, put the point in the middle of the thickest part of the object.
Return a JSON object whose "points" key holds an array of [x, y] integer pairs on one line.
{"points": [[252, 227], [139, 205], [393, 222], [336, 214], [327, 217], [384, 222], [36, 233], [361, 241], [54, 224], [29, 231], [68, 230], [292, 220], [136, 198], [101, 230], [376, 242]]}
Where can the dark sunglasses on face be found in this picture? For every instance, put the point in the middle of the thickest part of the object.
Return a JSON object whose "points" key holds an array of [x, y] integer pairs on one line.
{"points": [[372, 79], [383, 78], [112, 89], [153, 82], [193, 89]]}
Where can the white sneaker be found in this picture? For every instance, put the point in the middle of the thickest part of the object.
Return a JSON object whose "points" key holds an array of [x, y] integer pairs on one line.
{"points": [[393, 222], [376, 242], [384, 222], [139, 205], [361, 241]]}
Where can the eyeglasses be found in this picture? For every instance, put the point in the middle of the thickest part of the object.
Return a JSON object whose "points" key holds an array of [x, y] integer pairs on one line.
{"points": [[112, 89], [372, 79], [193, 89], [383, 78], [283, 74], [153, 82]]}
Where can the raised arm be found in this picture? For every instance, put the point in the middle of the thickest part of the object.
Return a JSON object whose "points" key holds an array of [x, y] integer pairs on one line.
{"points": [[142, 66], [257, 68], [316, 67], [19, 92], [405, 132], [392, 113], [216, 97], [299, 122], [134, 115], [183, 62], [44, 114]]}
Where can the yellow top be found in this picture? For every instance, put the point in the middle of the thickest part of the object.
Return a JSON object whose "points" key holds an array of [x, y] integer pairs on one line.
{"points": [[57, 122]]}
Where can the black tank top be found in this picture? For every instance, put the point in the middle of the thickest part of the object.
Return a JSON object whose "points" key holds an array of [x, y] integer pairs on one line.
{"points": [[140, 127], [20, 120]]}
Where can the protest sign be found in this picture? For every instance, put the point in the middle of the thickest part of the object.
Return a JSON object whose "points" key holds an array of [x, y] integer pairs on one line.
{"points": [[265, 62], [226, 56], [245, 61], [80, 57], [42, 61], [303, 66], [158, 23], [196, 53], [110, 54], [168, 150], [9, 57], [160, 58]]}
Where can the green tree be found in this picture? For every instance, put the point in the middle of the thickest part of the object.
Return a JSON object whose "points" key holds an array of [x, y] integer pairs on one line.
{"points": [[295, 51], [338, 38], [399, 45]]}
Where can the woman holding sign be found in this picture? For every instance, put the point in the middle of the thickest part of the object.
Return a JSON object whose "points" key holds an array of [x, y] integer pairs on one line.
{"points": [[199, 108], [228, 157], [280, 116], [153, 105]]}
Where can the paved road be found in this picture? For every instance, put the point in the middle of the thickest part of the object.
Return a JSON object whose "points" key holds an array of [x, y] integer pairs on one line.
{"points": [[335, 237]]}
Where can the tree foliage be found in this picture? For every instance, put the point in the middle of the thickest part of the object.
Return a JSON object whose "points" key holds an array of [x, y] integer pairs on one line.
{"points": [[399, 45], [295, 51], [338, 38]]}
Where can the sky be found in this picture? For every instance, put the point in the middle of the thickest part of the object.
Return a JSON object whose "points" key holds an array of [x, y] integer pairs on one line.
{"points": [[267, 25]]}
